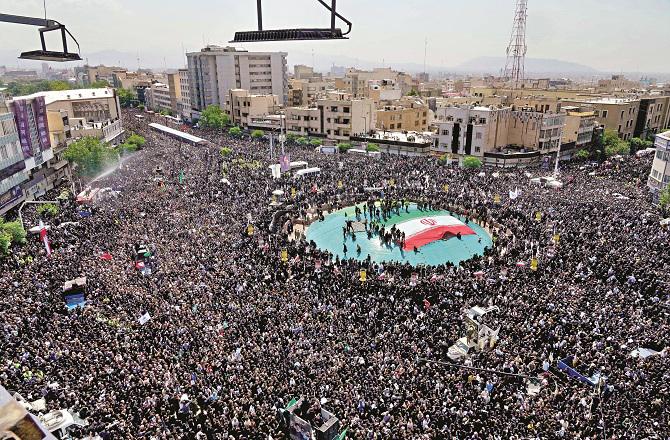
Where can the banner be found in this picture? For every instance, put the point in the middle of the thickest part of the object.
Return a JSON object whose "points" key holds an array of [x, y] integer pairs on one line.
{"points": [[45, 239], [533, 264], [285, 163], [144, 318], [538, 216], [42, 122], [363, 276], [250, 230], [284, 255], [496, 198], [20, 110]]}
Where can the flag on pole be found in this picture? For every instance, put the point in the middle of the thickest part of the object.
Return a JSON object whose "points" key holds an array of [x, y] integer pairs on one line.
{"points": [[106, 256], [44, 238], [291, 403], [343, 435]]}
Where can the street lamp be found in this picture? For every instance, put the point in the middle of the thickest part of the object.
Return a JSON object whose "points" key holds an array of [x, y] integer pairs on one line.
{"points": [[365, 125]]}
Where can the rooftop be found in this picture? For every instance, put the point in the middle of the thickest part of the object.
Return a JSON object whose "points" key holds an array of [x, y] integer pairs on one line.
{"points": [[403, 136], [70, 95]]}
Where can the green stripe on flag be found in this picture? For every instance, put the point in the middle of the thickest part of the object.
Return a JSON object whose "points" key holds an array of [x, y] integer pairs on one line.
{"points": [[291, 403], [343, 435]]}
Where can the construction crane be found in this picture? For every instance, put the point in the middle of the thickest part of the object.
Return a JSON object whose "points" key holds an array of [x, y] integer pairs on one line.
{"points": [[331, 33], [47, 25]]}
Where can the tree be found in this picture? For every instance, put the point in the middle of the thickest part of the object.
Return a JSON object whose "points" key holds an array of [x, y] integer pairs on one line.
{"points": [[637, 144], [413, 92], [100, 84], [664, 199], [372, 147], [137, 140], [213, 117], [126, 148], [302, 141], [344, 147], [126, 96], [225, 151], [613, 145], [5, 242], [257, 134], [235, 131], [290, 137], [582, 154], [90, 154], [15, 231], [47, 210], [316, 142], [472, 162], [59, 85], [443, 159]]}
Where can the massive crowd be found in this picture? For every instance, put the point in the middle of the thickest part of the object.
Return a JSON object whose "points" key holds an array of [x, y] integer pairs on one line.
{"points": [[235, 332]]}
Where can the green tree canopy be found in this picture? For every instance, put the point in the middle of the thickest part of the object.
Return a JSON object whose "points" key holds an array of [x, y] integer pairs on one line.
{"points": [[126, 96], [316, 142], [582, 154], [137, 140], [472, 162], [344, 147], [257, 134], [47, 210], [372, 147], [10, 233], [614, 145], [664, 199], [225, 151], [637, 144], [235, 131], [302, 140], [99, 84], [213, 117], [90, 154]]}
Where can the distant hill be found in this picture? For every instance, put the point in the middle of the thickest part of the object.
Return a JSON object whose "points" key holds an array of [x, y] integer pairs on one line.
{"points": [[493, 65]]}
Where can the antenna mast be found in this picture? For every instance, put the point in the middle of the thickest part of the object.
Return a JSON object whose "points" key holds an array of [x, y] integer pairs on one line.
{"points": [[516, 50]]}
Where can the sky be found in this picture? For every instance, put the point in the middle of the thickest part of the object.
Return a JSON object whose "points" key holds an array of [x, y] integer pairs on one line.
{"points": [[608, 35]]}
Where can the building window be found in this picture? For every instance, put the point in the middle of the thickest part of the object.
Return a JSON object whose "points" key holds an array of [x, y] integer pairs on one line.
{"points": [[392, 126], [345, 109], [604, 113], [445, 132], [478, 136]]}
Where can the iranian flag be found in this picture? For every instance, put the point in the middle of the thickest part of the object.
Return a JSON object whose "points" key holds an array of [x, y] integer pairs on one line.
{"points": [[422, 231], [45, 239]]}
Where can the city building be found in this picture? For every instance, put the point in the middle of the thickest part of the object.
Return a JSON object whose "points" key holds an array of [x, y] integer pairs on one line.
{"points": [[12, 161], [659, 176], [338, 117], [174, 88], [214, 71], [617, 114], [185, 93], [617, 83], [301, 71], [90, 112], [383, 90], [500, 136], [652, 117], [32, 124], [401, 143], [158, 97], [87, 75], [579, 126], [303, 92], [243, 107], [407, 114]]}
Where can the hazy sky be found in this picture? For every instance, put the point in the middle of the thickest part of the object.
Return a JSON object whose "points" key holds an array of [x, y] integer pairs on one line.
{"points": [[612, 35]]}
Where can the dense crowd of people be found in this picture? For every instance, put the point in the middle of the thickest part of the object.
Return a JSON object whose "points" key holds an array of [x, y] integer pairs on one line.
{"points": [[237, 330]]}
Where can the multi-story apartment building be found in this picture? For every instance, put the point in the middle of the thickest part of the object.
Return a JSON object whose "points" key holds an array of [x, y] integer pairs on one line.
{"points": [[12, 162], [307, 91], [301, 71], [618, 114], [30, 117], [617, 83], [337, 117], [185, 92], [406, 114], [579, 126], [175, 92], [487, 132], [653, 116], [214, 71], [158, 97], [243, 107], [659, 176], [87, 75]]}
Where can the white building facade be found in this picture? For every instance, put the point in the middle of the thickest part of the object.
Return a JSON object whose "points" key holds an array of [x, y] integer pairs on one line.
{"points": [[214, 71], [659, 176]]}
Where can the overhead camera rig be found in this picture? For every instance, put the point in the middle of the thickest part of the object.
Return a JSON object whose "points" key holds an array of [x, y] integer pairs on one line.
{"points": [[46, 26], [260, 35]]}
